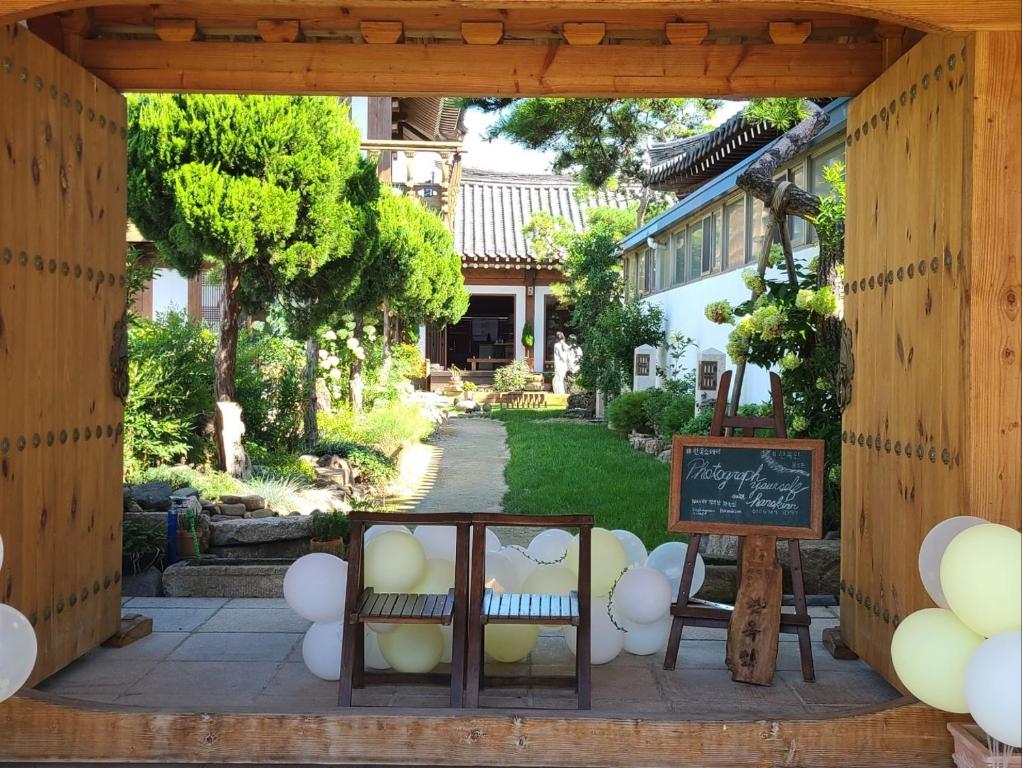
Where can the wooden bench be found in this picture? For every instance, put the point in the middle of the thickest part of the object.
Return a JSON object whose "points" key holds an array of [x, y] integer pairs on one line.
{"points": [[366, 606], [489, 607]]}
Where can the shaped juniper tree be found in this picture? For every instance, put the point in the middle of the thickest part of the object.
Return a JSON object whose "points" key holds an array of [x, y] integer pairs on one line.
{"points": [[254, 186]]}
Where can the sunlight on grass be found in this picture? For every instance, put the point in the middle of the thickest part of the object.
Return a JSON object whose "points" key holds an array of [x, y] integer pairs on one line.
{"points": [[569, 467]]}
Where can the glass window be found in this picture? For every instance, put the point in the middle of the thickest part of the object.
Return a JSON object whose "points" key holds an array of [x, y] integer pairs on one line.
{"points": [[819, 185], [758, 224], [734, 223], [678, 241], [695, 244], [718, 239], [664, 267], [649, 272], [640, 274], [797, 225]]}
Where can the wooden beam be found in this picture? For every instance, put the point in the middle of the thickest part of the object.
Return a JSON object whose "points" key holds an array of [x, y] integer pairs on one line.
{"points": [[686, 33], [892, 41], [928, 15], [37, 727], [75, 25], [738, 71], [482, 32], [381, 32], [790, 32], [279, 30], [175, 30], [584, 32]]}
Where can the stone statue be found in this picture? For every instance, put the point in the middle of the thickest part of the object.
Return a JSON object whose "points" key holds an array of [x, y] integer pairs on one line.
{"points": [[562, 360]]}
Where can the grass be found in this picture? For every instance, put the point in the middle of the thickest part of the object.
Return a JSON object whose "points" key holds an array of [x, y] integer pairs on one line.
{"points": [[562, 467]]}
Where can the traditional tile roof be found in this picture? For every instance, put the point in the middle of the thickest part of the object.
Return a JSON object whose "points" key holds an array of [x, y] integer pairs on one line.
{"points": [[493, 208], [683, 165]]}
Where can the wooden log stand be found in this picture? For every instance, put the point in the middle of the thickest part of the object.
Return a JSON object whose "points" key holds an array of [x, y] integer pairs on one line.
{"points": [[756, 620]]}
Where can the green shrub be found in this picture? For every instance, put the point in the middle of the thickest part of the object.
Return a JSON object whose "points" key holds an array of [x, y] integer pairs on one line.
{"points": [[278, 464], [511, 378], [627, 412], [377, 468], [699, 424], [209, 483], [270, 389], [393, 425], [668, 412], [330, 525]]}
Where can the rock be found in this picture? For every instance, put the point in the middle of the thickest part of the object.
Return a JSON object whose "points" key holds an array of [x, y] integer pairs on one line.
{"points": [[132, 508], [235, 510], [209, 507], [184, 493], [218, 577], [156, 519], [719, 545], [221, 518], [260, 531], [292, 548], [308, 458], [260, 513], [487, 407], [654, 446], [327, 460], [149, 496], [821, 566], [721, 583], [187, 503], [467, 406], [665, 456], [250, 501], [336, 470], [149, 583]]}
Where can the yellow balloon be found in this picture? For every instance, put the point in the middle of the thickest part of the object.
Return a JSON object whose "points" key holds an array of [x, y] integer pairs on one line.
{"points": [[608, 560], [550, 580], [930, 651], [981, 576], [510, 642], [414, 648], [394, 562], [437, 578]]}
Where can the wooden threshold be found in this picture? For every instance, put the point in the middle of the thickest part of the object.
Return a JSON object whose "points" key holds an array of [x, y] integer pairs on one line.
{"points": [[39, 727]]}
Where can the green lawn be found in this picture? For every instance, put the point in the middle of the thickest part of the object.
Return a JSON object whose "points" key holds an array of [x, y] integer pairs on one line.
{"points": [[560, 467]]}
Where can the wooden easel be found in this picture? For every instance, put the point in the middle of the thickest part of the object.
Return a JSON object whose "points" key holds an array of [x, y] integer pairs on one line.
{"points": [[752, 631]]}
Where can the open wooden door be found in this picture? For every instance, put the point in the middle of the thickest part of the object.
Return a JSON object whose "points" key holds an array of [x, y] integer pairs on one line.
{"points": [[932, 300], [62, 297]]}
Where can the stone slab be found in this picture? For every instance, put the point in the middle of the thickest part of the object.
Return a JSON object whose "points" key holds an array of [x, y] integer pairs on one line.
{"points": [[290, 549], [236, 646], [178, 619], [200, 685], [225, 579], [259, 531], [246, 620]]}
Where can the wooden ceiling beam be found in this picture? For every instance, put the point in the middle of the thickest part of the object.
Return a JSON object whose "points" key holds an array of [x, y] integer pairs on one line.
{"points": [[482, 32], [584, 32], [176, 30], [738, 71], [381, 32], [279, 30], [790, 32], [928, 15], [686, 33]]}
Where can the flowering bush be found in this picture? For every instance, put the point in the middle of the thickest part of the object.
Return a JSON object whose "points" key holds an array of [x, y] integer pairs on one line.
{"points": [[512, 378]]}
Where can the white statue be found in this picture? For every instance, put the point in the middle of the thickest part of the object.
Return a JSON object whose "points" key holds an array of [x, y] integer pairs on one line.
{"points": [[562, 360]]}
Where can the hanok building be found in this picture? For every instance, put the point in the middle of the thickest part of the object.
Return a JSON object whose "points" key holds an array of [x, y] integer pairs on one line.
{"points": [[509, 284]]}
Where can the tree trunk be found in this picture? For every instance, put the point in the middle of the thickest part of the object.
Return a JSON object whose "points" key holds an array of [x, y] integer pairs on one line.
{"points": [[228, 425], [387, 347], [311, 401], [356, 387]]}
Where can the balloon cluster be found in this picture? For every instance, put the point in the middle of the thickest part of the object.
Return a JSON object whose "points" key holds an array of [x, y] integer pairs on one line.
{"points": [[631, 594], [18, 647], [966, 654]]}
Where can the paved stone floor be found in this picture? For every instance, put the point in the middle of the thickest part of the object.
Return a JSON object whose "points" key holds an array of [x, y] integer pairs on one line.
{"points": [[217, 654]]}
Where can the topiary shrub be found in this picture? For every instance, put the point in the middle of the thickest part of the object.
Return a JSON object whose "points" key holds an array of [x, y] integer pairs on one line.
{"points": [[668, 412], [512, 378], [627, 413]]}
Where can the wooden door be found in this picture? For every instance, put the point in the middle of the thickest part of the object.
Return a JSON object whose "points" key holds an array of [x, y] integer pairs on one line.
{"points": [[932, 300], [62, 292]]}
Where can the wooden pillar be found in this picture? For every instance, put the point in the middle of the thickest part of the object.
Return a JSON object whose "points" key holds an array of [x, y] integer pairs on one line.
{"points": [[529, 278], [933, 306], [195, 298]]}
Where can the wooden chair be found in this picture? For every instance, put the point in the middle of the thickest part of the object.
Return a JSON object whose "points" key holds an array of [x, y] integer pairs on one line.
{"points": [[488, 607], [364, 606]]}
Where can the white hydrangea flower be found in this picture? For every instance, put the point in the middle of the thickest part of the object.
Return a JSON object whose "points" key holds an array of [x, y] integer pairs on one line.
{"points": [[353, 344], [330, 336]]}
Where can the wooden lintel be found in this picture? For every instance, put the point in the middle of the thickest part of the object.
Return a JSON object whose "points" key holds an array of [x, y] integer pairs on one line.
{"points": [[381, 32], [731, 71], [40, 727], [687, 32], [892, 41], [790, 32], [175, 30], [482, 32], [584, 32], [279, 30]]}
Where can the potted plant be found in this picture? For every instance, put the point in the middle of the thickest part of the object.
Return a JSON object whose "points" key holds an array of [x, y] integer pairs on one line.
{"points": [[143, 545], [329, 533], [528, 335], [456, 385], [469, 389], [191, 542]]}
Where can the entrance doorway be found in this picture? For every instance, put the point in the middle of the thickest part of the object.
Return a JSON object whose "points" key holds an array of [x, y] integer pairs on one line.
{"points": [[484, 339]]}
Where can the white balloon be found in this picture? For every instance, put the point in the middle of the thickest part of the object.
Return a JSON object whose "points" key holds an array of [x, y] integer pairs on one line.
{"points": [[492, 542], [375, 530], [550, 546], [382, 629], [642, 595], [373, 655], [993, 687], [500, 574], [931, 551], [439, 541], [18, 650], [394, 562], [646, 639], [669, 559], [521, 562], [607, 640], [314, 587], [635, 550], [321, 650]]}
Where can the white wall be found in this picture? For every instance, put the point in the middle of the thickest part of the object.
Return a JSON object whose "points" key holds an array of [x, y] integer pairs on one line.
{"points": [[539, 326], [683, 312], [170, 292]]}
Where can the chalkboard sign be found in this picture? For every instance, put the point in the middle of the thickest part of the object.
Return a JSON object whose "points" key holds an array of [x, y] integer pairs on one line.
{"points": [[740, 486]]}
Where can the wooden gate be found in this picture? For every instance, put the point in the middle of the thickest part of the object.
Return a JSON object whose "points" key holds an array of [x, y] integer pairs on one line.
{"points": [[62, 293], [932, 300]]}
